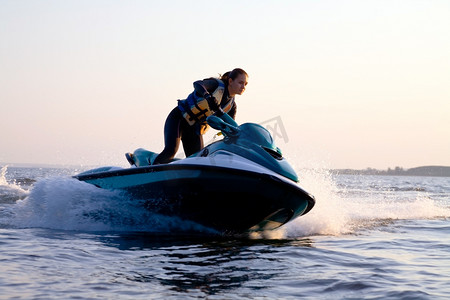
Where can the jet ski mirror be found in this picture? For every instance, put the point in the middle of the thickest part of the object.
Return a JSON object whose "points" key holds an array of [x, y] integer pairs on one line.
{"points": [[219, 124]]}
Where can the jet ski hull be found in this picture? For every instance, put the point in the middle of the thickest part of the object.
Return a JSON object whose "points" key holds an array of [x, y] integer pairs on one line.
{"points": [[225, 199]]}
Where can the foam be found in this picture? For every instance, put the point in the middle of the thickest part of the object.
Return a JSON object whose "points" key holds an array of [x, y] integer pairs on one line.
{"points": [[9, 192], [342, 207], [68, 204], [338, 211]]}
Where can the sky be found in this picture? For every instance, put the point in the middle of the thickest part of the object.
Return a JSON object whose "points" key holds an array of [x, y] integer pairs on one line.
{"points": [[352, 84]]}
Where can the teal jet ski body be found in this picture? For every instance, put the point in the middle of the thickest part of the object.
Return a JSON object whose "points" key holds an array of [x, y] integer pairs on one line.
{"points": [[239, 184]]}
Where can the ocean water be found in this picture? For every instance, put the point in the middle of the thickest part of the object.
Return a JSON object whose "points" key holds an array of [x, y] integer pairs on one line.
{"points": [[368, 237]]}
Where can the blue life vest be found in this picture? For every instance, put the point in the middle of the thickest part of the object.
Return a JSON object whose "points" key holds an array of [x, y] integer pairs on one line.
{"points": [[196, 109]]}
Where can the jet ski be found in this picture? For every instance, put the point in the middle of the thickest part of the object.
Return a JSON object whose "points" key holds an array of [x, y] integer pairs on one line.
{"points": [[239, 184]]}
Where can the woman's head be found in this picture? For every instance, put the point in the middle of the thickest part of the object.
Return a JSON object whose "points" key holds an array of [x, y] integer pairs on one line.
{"points": [[235, 81]]}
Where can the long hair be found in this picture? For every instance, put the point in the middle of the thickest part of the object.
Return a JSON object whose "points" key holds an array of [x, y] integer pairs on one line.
{"points": [[232, 75]]}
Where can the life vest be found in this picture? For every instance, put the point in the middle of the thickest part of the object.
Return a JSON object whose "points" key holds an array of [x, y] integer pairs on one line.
{"points": [[196, 109]]}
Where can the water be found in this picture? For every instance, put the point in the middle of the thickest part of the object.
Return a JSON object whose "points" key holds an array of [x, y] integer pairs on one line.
{"points": [[371, 237]]}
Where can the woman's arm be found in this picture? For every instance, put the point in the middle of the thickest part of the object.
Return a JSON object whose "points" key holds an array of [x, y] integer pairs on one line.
{"points": [[205, 86]]}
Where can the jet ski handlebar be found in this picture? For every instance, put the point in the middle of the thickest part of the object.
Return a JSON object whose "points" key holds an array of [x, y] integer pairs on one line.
{"points": [[225, 123]]}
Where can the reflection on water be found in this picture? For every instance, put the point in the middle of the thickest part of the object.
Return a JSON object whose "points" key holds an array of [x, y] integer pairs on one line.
{"points": [[207, 264]]}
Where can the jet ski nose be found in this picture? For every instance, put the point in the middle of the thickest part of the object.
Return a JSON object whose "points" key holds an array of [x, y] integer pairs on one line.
{"points": [[274, 220]]}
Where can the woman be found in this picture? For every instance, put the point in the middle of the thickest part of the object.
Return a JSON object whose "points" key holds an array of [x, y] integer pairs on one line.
{"points": [[187, 121]]}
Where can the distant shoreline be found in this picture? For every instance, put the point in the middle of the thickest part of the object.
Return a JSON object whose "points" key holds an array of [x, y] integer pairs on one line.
{"points": [[432, 171]]}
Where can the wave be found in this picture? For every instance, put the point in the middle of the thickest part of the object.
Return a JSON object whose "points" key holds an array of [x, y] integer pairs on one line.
{"points": [[343, 206], [68, 204], [10, 192], [24, 181], [388, 188], [347, 208]]}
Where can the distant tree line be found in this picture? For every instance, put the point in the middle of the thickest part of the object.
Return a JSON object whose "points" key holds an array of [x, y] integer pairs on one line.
{"points": [[399, 171]]}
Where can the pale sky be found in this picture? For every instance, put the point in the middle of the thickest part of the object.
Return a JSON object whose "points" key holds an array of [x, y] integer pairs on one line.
{"points": [[356, 84]]}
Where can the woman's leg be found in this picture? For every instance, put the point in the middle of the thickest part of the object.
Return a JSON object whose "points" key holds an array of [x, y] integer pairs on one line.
{"points": [[192, 139], [172, 135]]}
